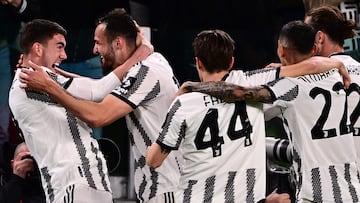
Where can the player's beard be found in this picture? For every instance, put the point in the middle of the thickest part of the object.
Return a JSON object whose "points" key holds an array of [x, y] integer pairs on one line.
{"points": [[108, 63]]}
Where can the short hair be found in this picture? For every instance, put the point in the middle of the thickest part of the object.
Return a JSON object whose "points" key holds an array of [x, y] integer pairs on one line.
{"points": [[329, 19], [38, 30], [119, 23], [298, 36], [215, 49]]}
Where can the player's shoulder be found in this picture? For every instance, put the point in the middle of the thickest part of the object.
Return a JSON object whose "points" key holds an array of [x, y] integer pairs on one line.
{"points": [[155, 58]]}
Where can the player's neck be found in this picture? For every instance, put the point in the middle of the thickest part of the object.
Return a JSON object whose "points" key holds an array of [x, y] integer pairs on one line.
{"points": [[214, 76], [332, 49]]}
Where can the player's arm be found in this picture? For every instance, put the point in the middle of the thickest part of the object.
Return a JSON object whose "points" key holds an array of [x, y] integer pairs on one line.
{"points": [[315, 64], [155, 155], [96, 90], [93, 113], [228, 91]]}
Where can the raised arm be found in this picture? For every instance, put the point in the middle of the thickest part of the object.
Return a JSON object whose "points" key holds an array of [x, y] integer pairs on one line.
{"points": [[88, 88], [227, 91], [316, 64], [96, 114]]}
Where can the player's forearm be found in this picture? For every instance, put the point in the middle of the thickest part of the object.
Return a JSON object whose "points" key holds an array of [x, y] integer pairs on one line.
{"points": [[312, 65], [229, 92]]}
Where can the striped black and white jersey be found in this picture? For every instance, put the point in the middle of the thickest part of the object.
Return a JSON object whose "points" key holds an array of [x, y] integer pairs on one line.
{"points": [[61, 144], [223, 144], [149, 87], [324, 157], [353, 93]]}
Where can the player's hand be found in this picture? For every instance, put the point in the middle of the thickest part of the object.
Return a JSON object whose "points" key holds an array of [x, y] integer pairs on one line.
{"points": [[275, 197], [22, 166], [186, 87], [344, 74], [272, 65], [35, 78], [141, 39]]}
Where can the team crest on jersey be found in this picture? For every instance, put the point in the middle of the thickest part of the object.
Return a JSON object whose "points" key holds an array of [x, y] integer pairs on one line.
{"points": [[126, 85]]}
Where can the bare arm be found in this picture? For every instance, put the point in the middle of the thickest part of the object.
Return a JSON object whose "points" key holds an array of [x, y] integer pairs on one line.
{"points": [[227, 91], [156, 155], [315, 64]]}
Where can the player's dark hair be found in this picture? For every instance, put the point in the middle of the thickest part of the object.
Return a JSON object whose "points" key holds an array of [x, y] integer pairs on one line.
{"points": [[215, 49], [298, 36], [119, 23], [38, 30], [330, 20]]}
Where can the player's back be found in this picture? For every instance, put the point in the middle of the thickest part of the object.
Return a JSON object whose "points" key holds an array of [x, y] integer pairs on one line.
{"points": [[221, 149], [315, 114]]}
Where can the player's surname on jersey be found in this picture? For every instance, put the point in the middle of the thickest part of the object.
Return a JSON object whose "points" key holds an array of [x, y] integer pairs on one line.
{"points": [[210, 100]]}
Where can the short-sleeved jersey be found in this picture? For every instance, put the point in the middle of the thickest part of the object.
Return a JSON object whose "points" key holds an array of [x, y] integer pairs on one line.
{"points": [[324, 158], [61, 144], [353, 93], [149, 87], [223, 144]]}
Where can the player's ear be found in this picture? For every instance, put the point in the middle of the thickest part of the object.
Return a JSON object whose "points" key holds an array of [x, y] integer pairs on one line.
{"points": [[231, 63], [119, 42], [199, 64], [280, 50], [37, 48]]}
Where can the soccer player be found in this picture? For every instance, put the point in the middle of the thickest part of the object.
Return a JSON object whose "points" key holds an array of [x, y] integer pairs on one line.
{"points": [[313, 108], [332, 29], [72, 166], [144, 96], [223, 144]]}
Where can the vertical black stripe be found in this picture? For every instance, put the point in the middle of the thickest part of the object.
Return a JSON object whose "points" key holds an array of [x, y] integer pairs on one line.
{"points": [[100, 168], [335, 185], [47, 178], [154, 183], [229, 189], [250, 184], [142, 188], [85, 163], [352, 189], [316, 185], [188, 191], [209, 189]]}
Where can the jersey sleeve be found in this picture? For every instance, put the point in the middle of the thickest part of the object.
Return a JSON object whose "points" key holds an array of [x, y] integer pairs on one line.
{"points": [[139, 85], [173, 129], [262, 76], [283, 91], [93, 89]]}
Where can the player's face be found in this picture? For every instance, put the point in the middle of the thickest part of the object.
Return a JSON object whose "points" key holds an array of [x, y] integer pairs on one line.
{"points": [[103, 48], [54, 50]]}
